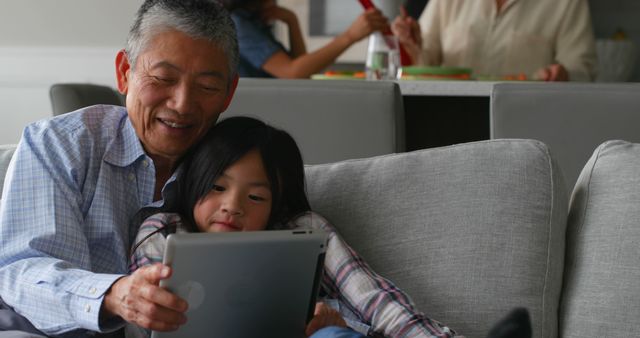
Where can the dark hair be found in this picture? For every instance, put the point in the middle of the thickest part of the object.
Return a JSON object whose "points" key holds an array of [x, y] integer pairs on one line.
{"points": [[206, 19], [231, 5], [226, 143]]}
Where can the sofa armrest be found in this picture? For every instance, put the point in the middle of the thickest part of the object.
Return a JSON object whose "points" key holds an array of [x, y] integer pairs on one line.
{"points": [[6, 152]]}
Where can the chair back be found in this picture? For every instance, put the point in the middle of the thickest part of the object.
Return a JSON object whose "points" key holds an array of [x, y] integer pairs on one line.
{"points": [[67, 97], [571, 118], [330, 120]]}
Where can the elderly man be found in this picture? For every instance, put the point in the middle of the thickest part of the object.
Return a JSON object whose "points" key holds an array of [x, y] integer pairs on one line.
{"points": [[76, 181]]}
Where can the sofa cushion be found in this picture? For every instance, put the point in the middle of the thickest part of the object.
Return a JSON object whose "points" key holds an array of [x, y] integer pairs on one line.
{"points": [[601, 295], [6, 152], [469, 231]]}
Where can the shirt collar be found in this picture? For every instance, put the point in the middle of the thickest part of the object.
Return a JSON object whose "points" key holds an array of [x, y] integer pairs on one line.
{"points": [[126, 147]]}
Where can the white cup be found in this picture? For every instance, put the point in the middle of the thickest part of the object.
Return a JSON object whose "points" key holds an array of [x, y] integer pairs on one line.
{"points": [[383, 58]]}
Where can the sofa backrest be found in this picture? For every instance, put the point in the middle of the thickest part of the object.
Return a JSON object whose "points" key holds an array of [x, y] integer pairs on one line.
{"points": [[330, 120], [469, 230], [6, 152], [571, 118], [67, 97], [601, 293]]}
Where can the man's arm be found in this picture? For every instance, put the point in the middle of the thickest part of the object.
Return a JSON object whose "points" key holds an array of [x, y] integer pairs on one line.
{"points": [[44, 255]]}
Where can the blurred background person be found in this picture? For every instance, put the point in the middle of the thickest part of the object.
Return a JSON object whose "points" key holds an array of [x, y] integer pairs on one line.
{"points": [[261, 55], [549, 40]]}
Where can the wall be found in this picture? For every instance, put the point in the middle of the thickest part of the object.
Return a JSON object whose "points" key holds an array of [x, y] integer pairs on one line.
{"points": [[610, 15], [44, 42]]}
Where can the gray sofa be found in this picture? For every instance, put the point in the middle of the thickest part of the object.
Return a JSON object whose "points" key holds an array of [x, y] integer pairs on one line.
{"points": [[472, 230]]}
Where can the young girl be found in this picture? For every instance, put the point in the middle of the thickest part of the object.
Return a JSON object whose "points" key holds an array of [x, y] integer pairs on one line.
{"points": [[261, 55], [246, 176]]}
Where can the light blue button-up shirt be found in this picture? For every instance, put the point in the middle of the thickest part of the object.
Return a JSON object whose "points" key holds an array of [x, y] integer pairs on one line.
{"points": [[73, 186]]}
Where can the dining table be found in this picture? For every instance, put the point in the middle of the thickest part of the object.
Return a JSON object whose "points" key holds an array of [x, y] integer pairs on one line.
{"points": [[443, 105]]}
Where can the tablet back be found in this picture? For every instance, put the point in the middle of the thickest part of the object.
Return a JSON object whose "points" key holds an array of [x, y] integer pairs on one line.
{"points": [[245, 284]]}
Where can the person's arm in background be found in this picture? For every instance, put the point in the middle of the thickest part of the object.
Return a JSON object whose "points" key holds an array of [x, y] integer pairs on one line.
{"points": [[282, 65], [296, 40], [575, 46], [387, 309], [407, 30], [422, 40]]}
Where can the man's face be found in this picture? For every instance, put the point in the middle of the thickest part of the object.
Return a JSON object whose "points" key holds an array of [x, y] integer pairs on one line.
{"points": [[177, 90]]}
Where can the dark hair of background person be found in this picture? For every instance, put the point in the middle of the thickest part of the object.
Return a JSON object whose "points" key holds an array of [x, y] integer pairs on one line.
{"points": [[226, 143], [231, 5]]}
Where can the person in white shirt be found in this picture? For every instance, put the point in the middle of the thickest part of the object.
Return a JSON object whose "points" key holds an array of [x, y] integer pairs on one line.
{"points": [[536, 40]]}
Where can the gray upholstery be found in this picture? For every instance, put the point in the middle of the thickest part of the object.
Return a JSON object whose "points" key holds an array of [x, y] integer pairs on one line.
{"points": [[601, 296], [571, 118], [469, 231], [330, 120], [67, 97], [6, 151]]}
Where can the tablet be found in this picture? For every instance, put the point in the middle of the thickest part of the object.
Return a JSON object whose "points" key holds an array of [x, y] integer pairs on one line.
{"points": [[245, 284]]}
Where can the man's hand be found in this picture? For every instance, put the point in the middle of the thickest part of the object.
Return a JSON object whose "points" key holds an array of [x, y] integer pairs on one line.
{"points": [[554, 72], [324, 316], [139, 299]]}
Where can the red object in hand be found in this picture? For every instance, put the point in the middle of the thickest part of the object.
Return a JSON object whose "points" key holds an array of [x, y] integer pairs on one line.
{"points": [[405, 59], [367, 4]]}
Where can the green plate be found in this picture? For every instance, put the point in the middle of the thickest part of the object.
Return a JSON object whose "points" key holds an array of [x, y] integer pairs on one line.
{"points": [[334, 77], [419, 70]]}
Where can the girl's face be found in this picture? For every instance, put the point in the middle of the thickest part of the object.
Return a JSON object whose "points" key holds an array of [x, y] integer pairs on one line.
{"points": [[240, 200]]}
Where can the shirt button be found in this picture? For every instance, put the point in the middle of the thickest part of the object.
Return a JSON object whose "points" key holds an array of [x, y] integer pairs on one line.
{"points": [[145, 163], [87, 308], [132, 177], [93, 291]]}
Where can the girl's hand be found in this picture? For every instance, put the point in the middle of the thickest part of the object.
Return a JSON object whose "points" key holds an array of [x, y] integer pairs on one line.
{"points": [[324, 316], [408, 32], [272, 13], [368, 22]]}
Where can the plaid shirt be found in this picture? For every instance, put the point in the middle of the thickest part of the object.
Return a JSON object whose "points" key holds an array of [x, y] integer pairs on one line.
{"points": [[72, 188], [369, 303]]}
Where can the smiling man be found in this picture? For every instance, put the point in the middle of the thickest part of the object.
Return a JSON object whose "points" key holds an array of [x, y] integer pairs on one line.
{"points": [[77, 180]]}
